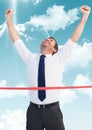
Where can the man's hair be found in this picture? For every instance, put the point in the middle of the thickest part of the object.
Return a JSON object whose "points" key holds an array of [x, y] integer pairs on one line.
{"points": [[56, 44]]}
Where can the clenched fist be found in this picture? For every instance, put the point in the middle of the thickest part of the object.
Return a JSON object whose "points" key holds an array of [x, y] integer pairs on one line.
{"points": [[85, 10], [8, 14]]}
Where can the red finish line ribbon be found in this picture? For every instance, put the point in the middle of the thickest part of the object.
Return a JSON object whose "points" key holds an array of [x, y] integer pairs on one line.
{"points": [[45, 88]]}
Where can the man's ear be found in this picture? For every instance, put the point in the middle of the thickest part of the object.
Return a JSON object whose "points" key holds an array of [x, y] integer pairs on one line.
{"points": [[54, 50]]}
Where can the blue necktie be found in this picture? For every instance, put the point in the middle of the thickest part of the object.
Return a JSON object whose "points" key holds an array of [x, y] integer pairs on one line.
{"points": [[41, 78]]}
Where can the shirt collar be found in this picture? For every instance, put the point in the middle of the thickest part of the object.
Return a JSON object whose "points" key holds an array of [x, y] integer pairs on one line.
{"points": [[47, 55]]}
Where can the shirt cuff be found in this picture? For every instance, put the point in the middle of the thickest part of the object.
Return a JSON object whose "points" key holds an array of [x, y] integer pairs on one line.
{"points": [[72, 42], [17, 42]]}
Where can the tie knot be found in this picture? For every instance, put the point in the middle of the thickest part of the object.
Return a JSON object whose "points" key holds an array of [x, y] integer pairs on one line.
{"points": [[42, 56]]}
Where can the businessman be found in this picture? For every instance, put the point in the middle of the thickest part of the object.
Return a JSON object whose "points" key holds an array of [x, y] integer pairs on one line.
{"points": [[45, 69]]}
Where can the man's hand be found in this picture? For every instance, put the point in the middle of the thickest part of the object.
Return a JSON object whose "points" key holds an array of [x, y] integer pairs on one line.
{"points": [[11, 28], [8, 14], [85, 10], [79, 29]]}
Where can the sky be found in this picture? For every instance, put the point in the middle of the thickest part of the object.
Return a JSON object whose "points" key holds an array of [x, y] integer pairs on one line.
{"points": [[36, 20]]}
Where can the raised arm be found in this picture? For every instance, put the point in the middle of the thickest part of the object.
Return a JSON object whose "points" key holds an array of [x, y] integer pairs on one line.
{"points": [[79, 29], [11, 28]]}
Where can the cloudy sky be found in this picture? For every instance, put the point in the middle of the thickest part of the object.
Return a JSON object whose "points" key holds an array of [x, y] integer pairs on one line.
{"points": [[35, 20]]}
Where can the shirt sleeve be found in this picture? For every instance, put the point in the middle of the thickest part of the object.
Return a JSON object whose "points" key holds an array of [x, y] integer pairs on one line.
{"points": [[66, 50], [22, 50]]}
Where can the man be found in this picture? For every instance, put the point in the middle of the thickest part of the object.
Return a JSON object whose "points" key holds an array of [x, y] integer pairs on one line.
{"points": [[44, 111]]}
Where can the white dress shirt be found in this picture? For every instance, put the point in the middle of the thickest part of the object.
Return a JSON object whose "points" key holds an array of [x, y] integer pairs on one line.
{"points": [[54, 66]]}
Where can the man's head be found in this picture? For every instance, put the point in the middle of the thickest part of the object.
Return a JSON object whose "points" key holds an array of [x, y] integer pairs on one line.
{"points": [[49, 46]]}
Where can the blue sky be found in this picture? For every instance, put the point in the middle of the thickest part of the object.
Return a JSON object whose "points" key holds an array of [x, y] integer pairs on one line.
{"points": [[36, 20]]}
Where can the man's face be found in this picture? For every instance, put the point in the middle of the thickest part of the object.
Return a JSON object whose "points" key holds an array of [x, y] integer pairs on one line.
{"points": [[48, 46]]}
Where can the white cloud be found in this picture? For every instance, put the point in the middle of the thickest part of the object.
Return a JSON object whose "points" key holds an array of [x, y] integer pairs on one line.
{"points": [[84, 80], [67, 96], [36, 1], [13, 120], [3, 83], [82, 55], [55, 18], [12, 93], [21, 28]]}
